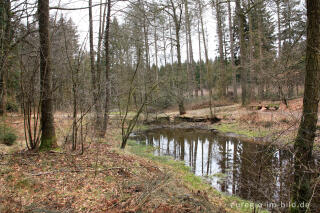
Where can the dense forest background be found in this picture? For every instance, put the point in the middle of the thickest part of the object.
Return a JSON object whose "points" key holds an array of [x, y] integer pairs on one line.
{"points": [[155, 35]]}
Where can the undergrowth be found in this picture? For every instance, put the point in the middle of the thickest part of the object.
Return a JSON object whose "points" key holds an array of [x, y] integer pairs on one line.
{"points": [[7, 135]]}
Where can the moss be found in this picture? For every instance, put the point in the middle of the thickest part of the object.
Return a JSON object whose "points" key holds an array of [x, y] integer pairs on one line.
{"points": [[48, 144], [274, 105], [240, 130]]}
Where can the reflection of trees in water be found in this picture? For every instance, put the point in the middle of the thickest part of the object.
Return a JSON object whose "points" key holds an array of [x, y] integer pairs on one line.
{"points": [[235, 167], [223, 159], [202, 161], [150, 140], [254, 172], [209, 160], [257, 178], [194, 162], [180, 140]]}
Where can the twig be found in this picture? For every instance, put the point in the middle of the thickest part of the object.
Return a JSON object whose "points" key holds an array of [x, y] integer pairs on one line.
{"points": [[76, 170]]}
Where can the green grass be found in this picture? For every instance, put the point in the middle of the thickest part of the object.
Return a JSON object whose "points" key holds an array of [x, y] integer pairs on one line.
{"points": [[141, 127], [235, 128], [276, 105], [194, 182]]}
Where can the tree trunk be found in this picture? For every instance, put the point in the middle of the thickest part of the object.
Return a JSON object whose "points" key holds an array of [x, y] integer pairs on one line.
{"points": [[279, 27], [95, 89], [164, 46], [187, 61], [177, 23], [305, 139], [74, 125], [48, 137], [102, 20], [222, 79], [5, 22], [200, 61], [209, 80], [147, 75], [250, 68], [108, 66], [156, 51], [171, 53], [243, 55], [3, 91], [234, 71], [191, 60], [259, 75]]}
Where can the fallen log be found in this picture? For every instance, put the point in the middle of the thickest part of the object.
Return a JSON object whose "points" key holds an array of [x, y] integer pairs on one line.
{"points": [[178, 119]]}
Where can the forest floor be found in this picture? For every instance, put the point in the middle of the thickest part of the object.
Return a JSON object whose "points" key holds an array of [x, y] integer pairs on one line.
{"points": [[103, 179], [107, 179], [262, 122]]}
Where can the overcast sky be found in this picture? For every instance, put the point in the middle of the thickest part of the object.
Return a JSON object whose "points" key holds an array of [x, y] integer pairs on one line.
{"points": [[81, 17]]}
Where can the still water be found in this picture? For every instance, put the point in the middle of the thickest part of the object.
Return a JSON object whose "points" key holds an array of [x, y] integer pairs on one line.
{"points": [[251, 171]]}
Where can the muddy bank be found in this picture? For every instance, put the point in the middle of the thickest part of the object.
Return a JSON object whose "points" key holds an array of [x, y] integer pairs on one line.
{"points": [[273, 124], [205, 127]]}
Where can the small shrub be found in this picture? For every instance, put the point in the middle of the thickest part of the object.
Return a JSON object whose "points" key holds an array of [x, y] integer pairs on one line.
{"points": [[12, 106], [7, 136]]}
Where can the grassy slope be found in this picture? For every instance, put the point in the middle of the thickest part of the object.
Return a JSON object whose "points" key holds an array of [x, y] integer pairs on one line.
{"points": [[192, 182]]}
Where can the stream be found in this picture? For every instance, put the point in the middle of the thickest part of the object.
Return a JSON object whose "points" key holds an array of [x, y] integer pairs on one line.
{"points": [[255, 172]]}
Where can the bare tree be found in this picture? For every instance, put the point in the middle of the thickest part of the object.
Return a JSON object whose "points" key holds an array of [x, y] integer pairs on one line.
{"points": [[176, 14], [209, 80]]}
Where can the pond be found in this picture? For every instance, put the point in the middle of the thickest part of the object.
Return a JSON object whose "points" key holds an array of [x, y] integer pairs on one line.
{"points": [[251, 171]]}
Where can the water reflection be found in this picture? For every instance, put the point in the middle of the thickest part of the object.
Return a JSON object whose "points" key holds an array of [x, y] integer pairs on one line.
{"points": [[251, 171]]}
